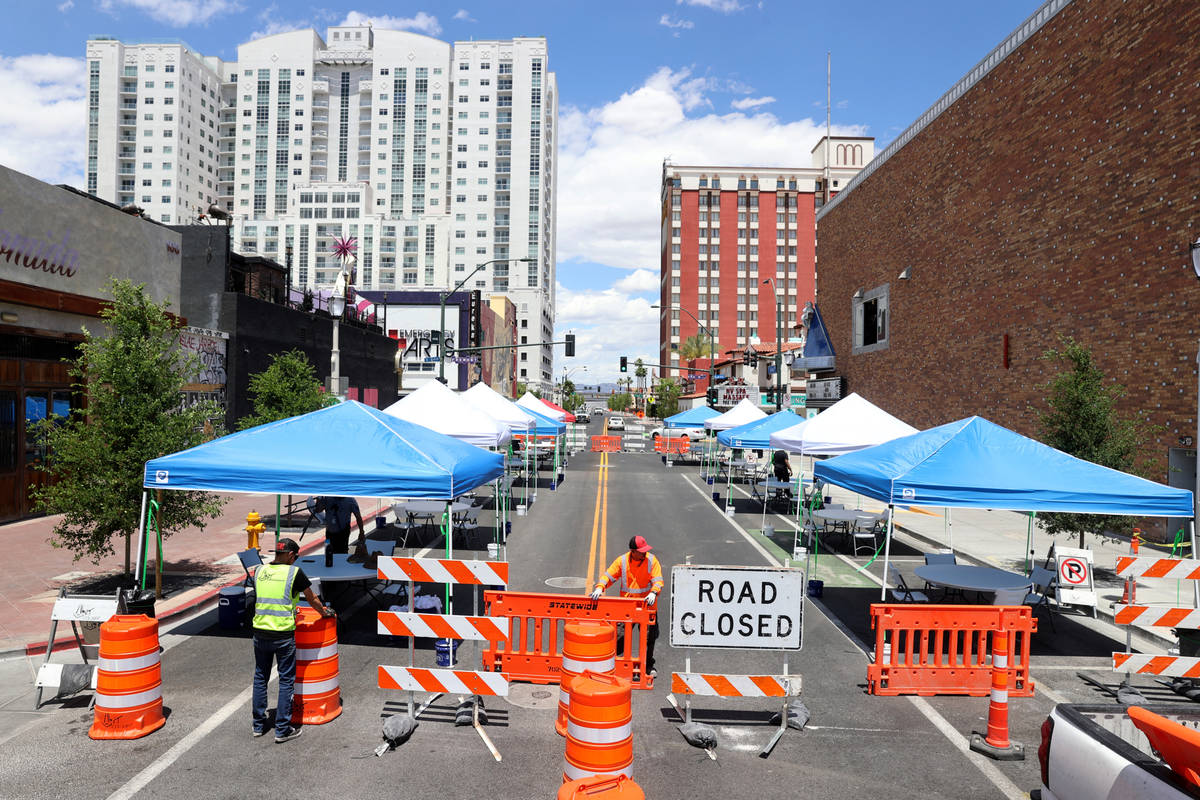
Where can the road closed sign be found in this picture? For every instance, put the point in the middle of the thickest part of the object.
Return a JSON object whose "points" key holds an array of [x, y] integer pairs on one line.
{"points": [[758, 608]]}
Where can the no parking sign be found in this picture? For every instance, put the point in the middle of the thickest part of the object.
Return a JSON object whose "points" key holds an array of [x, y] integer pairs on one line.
{"points": [[1074, 568]]}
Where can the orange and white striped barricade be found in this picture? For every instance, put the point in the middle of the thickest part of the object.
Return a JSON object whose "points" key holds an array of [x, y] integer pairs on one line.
{"points": [[599, 727], [601, 787], [533, 649], [449, 627], [739, 608], [129, 701], [318, 696], [1131, 568], [587, 647]]}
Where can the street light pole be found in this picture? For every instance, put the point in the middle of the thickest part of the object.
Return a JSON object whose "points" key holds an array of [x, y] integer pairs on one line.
{"points": [[778, 345], [712, 344], [446, 295]]}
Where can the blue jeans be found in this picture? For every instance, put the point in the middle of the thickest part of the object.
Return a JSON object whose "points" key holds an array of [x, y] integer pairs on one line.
{"points": [[282, 651]]}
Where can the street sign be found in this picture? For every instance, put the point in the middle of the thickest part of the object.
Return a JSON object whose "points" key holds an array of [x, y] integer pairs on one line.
{"points": [[757, 608], [1074, 567]]}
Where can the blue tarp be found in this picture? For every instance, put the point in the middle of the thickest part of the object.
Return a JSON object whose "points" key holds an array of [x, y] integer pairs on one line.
{"points": [[348, 449], [755, 435], [973, 463], [545, 425], [692, 418]]}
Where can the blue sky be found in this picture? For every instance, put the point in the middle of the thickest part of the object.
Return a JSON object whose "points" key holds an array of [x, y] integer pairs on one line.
{"points": [[701, 81]]}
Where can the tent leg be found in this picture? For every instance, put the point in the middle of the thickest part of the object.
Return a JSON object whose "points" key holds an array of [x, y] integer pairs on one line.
{"points": [[1195, 584], [887, 552], [141, 536]]}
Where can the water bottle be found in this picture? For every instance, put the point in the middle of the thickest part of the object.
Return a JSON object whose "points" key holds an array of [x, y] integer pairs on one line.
{"points": [[328, 553]]}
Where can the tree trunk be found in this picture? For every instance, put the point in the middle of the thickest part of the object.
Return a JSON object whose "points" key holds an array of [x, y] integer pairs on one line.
{"points": [[128, 537]]}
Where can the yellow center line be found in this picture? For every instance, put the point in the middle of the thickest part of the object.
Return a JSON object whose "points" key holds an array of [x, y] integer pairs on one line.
{"points": [[602, 566], [595, 526]]}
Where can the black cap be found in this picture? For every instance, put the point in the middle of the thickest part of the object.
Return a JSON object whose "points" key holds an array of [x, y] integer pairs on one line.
{"points": [[287, 546]]}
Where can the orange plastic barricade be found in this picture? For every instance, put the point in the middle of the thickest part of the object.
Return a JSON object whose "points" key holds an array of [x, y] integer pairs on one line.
{"points": [[606, 444], [601, 787], [129, 680], [587, 647], [1178, 744], [318, 698], [930, 649], [672, 445], [533, 650], [599, 727]]}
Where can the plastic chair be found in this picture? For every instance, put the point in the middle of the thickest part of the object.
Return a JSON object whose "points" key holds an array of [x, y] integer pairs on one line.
{"points": [[319, 516], [900, 590], [943, 558], [250, 558], [380, 547], [1010, 597], [1045, 585]]}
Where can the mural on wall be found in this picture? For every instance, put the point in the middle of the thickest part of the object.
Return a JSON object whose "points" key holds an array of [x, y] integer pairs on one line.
{"points": [[210, 348]]}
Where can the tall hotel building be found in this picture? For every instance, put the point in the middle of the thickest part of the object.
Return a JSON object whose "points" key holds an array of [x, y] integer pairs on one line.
{"points": [[435, 157], [725, 230]]}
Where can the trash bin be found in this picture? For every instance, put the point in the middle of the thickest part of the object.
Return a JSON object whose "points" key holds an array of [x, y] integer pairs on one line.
{"points": [[445, 650], [231, 607], [139, 602], [1189, 642]]}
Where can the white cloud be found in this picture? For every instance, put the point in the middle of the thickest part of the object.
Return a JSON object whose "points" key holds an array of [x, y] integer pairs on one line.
{"points": [[462, 15], [43, 119], [179, 13], [610, 162], [67, 6], [421, 22], [751, 102], [640, 280], [724, 6], [676, 24], [607, 325], [273, 25]]}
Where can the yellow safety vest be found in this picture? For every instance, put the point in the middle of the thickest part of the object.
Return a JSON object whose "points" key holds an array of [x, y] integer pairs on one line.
{"points": [[274, 602]]}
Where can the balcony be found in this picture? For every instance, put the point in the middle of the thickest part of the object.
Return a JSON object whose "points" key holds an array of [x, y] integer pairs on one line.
{"points": [[320, 86], [320, 133], [319, 162], [319, 118], [320, 104], [364, 162], [319, 148]]}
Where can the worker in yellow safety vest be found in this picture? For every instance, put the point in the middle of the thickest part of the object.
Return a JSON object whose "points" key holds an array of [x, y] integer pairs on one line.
{"points": [[277, 589], [639, 573]]}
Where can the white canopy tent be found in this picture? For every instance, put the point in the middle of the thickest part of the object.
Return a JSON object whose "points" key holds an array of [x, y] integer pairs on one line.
{"points": [[850, 424], [440, 409], [528, 400], [499, 408], [742, 413]]}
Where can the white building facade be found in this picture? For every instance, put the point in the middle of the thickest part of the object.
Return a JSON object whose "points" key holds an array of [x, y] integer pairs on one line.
{"points": [[435, 158]]}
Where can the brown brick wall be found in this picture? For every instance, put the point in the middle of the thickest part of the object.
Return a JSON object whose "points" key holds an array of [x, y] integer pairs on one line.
{"points": [[1057, 196]]}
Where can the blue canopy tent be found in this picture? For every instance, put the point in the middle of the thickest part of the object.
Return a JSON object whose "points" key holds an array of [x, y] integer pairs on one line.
{"points": [[973, 463], [756, 435], [692, 418], [347, 449]]}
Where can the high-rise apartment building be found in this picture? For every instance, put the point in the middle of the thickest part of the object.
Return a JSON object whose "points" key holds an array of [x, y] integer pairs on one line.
{"points": [[734, 236], [436, 158]]}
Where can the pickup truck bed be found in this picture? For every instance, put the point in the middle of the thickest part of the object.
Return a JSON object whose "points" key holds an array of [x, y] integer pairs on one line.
{"points": [[1095, 752]]}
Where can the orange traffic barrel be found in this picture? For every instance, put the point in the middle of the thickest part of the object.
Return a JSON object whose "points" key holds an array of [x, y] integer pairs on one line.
{"points": [[599, 727], [318, 698], [128, 679], [601, 787], [586, 646]]}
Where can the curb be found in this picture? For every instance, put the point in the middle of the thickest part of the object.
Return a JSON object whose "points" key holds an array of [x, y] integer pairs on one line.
{"points": [[207, 596], [1150, 636]]}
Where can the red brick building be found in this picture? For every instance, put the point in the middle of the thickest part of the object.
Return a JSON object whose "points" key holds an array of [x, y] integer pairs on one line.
{"points": [[1051, 192], [725, 230]]}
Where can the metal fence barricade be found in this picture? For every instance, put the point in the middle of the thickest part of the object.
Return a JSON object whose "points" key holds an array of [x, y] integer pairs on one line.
{"points": [[931, 649]]}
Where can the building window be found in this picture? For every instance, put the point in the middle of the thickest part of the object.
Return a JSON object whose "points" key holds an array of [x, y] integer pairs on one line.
{"points": [[871, 321]]}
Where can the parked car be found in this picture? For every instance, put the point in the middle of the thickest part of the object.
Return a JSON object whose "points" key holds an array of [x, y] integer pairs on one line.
{"points": [[616, 423], [583, 416], [691, 434]]}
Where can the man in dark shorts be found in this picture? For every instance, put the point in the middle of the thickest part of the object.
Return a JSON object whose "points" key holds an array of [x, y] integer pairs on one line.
{"points": [[338, 511], [277, 589], [782, 468]]}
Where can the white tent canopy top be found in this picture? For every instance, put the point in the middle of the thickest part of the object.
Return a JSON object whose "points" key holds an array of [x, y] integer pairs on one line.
{"points": [[438, 408], [528, 400], [500, 408], [742, 413], [853, 423]]}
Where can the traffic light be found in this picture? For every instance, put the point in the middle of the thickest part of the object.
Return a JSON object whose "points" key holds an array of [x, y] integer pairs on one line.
{"points": [[711, 397], [746, 358], [754, 358], [770, 396], [570, 344], [624, 364]]}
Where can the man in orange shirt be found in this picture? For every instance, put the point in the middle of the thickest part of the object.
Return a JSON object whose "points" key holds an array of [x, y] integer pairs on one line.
{"points": [[640, 575]]}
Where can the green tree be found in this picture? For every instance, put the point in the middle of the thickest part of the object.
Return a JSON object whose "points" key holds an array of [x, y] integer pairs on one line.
{"points": [[666, 397], [521, 388], [132, 377], [1082, 420], [289, 387], [696, 346], [620, 402]]}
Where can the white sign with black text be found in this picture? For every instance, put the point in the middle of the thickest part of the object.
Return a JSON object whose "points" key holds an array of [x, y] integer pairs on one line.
{"points": [[758, 608]]}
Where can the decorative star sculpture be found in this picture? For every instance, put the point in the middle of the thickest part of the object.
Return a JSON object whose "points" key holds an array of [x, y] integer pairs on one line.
{"points": [[345, 248]]}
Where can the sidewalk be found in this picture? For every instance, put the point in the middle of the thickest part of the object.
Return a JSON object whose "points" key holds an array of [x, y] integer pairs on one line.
{"points": [[999, 539], [36, 570]]}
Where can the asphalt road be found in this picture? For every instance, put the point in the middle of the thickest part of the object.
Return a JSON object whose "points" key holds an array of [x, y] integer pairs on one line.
{"points": [[856, 745]]}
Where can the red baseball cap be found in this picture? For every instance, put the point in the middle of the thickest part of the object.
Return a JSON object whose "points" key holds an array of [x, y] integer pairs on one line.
{"points": [[640, 544]]}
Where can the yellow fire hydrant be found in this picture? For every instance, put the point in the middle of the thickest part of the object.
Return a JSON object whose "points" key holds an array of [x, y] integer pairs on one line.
{"points": [[254, 527]]}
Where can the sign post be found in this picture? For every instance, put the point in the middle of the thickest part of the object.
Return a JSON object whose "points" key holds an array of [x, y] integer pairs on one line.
{"points": [[742, 608], [1075, 580]]}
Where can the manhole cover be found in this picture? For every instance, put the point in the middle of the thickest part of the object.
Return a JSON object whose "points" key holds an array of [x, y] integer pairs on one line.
{"points": [[567, 582], [530, 695]]}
